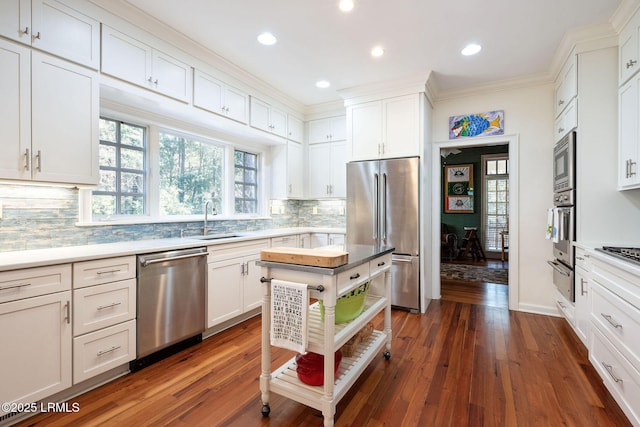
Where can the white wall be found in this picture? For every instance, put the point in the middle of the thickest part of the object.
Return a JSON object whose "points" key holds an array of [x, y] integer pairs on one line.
{"points": [[528, 114]]}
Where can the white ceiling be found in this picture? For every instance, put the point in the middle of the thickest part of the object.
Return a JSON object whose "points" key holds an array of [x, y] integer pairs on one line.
{"points": [[318, 41]]}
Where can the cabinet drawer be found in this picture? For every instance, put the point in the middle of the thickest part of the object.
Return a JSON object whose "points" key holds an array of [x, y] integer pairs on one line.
{"points": [[567, 309], [31, 282], [101, 271], [285, 241], [583, 259], [618, 321], [618, 375], [105, 305], [377, 265], [352, 278], [102, 350], [231, 250]]}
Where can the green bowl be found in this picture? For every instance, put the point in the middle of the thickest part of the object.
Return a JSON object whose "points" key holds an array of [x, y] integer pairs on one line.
{"points": [[350, 305]]}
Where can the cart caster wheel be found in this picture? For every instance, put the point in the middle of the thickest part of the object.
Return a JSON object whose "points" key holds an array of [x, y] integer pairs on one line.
{"points": [[266, 410], [387, 355]]}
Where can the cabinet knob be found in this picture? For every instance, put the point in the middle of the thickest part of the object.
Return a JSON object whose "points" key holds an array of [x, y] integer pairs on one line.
{"points": [[37, 36], [560, 102], [26, 30], [560, 130], [631, 63]]}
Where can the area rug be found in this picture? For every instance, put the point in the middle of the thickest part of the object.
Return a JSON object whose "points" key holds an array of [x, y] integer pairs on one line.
{"points": [[474, 273]]}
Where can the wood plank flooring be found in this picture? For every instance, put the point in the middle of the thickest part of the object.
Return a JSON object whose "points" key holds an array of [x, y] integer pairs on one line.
{"points": [[461, 364]]}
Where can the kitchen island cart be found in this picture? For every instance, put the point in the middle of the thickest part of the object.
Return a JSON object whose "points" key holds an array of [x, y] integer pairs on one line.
{"points": [[366, 264]]}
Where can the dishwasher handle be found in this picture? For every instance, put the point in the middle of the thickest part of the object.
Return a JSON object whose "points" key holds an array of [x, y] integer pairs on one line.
{"points": [[145, 262]]}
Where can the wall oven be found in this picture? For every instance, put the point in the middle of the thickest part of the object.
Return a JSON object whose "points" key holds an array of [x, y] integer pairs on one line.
{"points": [[563, 263]]}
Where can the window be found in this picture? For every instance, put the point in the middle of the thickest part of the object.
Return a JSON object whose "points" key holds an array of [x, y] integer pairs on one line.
{"points": [[246, 182], [191, 172], [496, 216], [122, 189]]}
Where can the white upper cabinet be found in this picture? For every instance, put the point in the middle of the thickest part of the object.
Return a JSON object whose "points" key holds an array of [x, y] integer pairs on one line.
{"points": [[327, 170], [45, 139], [566, 85], [53, 27], [628, 49], [327, 130], [287, 162], [135, 62], [267, 118], [385, 129], [295, 128], [628, 134], [567, 120], [217, 97]]}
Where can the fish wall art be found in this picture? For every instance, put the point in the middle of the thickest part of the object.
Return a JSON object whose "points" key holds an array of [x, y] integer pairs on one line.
{"points": [[481, 124]]}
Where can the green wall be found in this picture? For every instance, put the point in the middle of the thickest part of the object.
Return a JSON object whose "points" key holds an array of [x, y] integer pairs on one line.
{"points": [[472, 155]]}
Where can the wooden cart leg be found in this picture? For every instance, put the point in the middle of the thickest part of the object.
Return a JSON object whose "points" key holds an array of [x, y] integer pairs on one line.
{"points": [[265, 375], [387, 314]]}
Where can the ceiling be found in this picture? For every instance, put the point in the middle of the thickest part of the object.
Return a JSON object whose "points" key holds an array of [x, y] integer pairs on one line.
{"points": [[317, 41]]}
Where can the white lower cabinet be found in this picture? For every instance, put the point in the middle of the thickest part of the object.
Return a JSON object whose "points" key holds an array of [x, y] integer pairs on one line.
{"points": [[614, 348], [326, 239], [285, 241], [582, 295], [233, 280], [104, 315], [35, 361]]}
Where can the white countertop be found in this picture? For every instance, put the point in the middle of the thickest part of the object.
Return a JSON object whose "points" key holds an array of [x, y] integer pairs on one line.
{"points": [[40, 257]]}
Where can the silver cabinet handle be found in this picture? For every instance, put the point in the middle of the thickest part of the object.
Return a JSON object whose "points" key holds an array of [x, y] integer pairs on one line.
{"points": [[609, 369], [37, 36], [247, 269], [39, 163], [21, 285], [580, 258], [104, 307], [67, 316], [582, 282], [609, 319], [27, 159], [103, 352], [107, 271], [631, 165], [242, 269], [631, 63], [26, 30]]}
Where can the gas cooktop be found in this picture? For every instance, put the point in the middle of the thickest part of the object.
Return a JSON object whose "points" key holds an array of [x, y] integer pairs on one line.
{"points": [[628, 254]]}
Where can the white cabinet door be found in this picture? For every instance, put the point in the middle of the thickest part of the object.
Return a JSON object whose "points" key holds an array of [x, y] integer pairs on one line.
{"points": [[53, 27], [36, 357], [628, 143], [365, 125], [278, 122], [295, 129], [304, 240], [260, 115], [64, 134], [336, 239], [338, 128], [125, 57], [583, 305], [286, 174], [567, 120], [170, 76], [628, 49], [319, 239], [566, 85], [224, 290], [319, 174], [400, 126], [15, 110], [327, 130], [252, 286], [339, 169], [236, 104]]}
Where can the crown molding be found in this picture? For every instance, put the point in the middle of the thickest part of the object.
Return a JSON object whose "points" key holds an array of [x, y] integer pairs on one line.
{"points": [[324, 110], [380, 90], [623, 14], [492, 87]]}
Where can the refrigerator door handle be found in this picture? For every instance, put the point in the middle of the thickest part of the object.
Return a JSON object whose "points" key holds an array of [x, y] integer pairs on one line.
{"points": [[376, 207], [384, 207]]}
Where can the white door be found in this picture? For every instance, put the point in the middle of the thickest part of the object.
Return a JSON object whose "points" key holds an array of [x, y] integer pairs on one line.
{"points": [[366, 130], [252, 284], [36, 356]]}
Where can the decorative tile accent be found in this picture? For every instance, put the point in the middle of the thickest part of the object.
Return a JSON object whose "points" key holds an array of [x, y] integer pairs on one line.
{"points": [[38, 217]]}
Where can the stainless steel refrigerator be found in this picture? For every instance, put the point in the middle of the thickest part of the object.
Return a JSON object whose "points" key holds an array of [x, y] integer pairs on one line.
{"points": [[383, 209]]}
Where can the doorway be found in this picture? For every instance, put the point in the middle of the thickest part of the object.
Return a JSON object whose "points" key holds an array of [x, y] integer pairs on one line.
{"points": [[509, 145]]}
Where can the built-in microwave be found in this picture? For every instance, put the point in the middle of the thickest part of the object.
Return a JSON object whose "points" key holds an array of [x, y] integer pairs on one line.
{"points": [[564, 163]]}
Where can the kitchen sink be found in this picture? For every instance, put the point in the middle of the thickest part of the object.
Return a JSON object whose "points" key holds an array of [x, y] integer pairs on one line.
{"points": [[218, 236]]}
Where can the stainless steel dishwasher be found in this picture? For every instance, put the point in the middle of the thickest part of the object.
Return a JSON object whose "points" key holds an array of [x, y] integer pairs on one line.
{"points": [[171, 303]]}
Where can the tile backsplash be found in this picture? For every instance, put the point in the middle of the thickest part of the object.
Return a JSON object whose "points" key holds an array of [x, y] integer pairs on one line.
{"points": [[37, 217]]}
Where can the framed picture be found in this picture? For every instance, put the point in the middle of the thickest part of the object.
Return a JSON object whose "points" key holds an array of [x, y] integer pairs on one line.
{"points": [[458, 188], [480, 124]]}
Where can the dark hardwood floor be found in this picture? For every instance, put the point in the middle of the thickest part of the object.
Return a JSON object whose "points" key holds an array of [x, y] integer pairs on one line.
{"points": [[460, 364], [468, 292]]}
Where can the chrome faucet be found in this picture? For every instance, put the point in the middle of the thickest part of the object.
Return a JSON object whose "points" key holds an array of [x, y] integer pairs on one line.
{"points": [[205, 230]]}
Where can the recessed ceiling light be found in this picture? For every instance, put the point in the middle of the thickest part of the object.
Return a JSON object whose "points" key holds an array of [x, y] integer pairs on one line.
{"points": [[346, 5], [323, 84], [267, 39], [471, 49], [377, 51]]}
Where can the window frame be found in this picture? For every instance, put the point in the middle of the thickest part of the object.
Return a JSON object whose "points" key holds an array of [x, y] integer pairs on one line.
{"points": [[258, 183], [154, 127], [485, 211]]}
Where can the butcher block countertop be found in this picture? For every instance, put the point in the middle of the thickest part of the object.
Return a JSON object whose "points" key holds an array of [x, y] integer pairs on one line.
{"points": [[357, 255]]}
